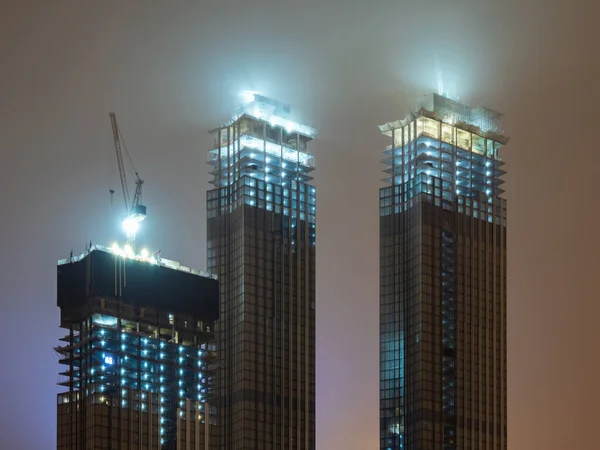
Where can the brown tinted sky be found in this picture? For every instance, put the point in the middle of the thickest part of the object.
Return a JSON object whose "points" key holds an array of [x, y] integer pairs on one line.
{"points": [[171, 71]]}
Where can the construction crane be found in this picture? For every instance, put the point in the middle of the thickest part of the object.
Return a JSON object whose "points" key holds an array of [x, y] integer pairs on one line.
{"points": [[135, 211]]}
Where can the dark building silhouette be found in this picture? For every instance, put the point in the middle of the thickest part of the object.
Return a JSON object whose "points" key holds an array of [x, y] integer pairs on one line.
{"points": [[443, 281], [136, 357], [261, 245]]}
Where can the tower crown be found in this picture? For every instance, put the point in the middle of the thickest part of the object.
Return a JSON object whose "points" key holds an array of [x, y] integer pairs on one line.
{"points": [[446, 149]]}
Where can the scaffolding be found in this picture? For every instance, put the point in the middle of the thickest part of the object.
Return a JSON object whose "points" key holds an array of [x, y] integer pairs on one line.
{"points": [[487, 120]]}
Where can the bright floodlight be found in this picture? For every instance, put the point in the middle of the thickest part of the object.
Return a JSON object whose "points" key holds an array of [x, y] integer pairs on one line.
{"points": [[248, 96], [128, 250], [145, 253], [131, 226]]}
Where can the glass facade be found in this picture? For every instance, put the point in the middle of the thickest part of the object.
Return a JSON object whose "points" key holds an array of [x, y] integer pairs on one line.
{"points": [[443, 282], [261, 245]]}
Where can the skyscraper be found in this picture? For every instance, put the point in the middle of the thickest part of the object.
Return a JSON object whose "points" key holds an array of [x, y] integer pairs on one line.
{"points": [[137, 360], [443, 281], [261, 244]]}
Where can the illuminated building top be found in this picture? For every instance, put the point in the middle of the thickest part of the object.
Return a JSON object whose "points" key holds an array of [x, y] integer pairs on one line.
{"points": [[260, 159], [446, 144], [261, 141], [275, 113], [126, 252], [461, 124]]}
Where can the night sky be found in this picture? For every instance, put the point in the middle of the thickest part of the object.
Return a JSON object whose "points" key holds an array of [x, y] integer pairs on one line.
{"points": [[173, 70]]}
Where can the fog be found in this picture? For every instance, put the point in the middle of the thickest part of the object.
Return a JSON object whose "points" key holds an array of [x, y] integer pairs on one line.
{"points": [[173, 70]]}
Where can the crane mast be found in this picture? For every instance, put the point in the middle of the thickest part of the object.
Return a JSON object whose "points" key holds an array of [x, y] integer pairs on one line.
{"points": [[135, 211]]}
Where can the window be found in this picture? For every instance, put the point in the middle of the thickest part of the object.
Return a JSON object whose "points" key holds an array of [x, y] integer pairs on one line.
{"points": [[447, 134], [463, 139], [478, 144], [428, 127]]}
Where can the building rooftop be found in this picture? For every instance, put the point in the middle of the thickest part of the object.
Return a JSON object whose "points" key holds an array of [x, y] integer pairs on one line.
{"points": [[478, 120], [273, 112], [133, 282], [145, 257], [261, 141]]}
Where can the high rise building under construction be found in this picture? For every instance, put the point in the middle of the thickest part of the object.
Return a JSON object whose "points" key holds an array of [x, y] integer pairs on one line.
{"points": [[443, 280], [261, 245], [137, 360]]}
